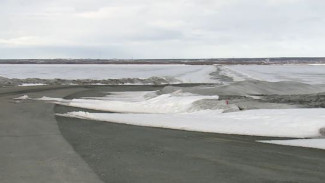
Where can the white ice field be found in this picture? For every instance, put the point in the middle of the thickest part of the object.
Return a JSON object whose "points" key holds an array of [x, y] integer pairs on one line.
{"points": [[183, 73], [310, 74]]}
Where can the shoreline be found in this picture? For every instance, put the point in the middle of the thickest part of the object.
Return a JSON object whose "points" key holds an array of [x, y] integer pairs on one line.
{"points": [[91, 151], [121, 153]]}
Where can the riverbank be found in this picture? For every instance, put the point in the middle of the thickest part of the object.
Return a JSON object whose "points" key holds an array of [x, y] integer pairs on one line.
{"points": [[40, 147]]}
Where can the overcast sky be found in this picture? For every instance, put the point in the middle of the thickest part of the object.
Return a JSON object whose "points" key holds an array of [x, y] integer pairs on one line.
{"points": [[161, 28]]}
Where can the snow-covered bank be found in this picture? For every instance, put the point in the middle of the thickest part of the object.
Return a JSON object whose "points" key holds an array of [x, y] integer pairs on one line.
{"points": [[137, 102], [311, 143], [194, 112], [265, 122]]}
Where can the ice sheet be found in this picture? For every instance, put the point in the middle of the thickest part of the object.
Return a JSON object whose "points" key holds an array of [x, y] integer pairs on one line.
{"points": [[183, 73], [310, 74]]}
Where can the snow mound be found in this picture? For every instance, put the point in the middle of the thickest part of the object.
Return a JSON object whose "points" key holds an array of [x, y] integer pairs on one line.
{"points": [[176, 102]]}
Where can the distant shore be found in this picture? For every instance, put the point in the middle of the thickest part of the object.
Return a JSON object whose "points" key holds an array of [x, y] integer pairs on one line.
{"points": [[209, 61]]}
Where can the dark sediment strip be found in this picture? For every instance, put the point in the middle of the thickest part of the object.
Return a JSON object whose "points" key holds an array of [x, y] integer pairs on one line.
{"points": [[125, 153]]}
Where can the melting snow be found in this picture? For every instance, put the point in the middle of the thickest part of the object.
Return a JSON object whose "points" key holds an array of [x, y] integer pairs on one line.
{"points": [[176, 102], [264, 122]]}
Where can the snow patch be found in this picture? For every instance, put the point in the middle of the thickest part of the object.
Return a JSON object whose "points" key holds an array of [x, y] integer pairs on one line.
{"points": [[317, 64], [44, 98], [176, 102], [137, 102], [32, 84]]}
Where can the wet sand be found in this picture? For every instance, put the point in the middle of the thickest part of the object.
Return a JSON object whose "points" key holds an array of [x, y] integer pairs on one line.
{"points": [[39, 147]]}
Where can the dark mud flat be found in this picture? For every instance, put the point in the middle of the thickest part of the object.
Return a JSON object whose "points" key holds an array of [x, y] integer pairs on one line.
{"points": [[125, 153]]}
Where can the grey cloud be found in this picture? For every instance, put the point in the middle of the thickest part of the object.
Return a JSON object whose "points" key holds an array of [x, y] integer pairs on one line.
{"points": [[161, 28]]}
